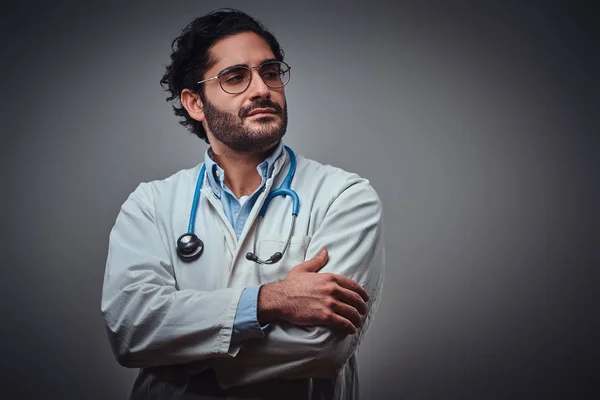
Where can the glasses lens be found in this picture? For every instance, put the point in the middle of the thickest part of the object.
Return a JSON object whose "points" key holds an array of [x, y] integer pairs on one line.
{"points": [[275, 74], [235, 80]]}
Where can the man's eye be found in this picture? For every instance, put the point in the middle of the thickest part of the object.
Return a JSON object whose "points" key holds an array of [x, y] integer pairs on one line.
{"points": [[270, 75], [234, 78]]}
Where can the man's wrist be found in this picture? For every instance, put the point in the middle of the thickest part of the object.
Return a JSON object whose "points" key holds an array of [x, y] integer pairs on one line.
{"points": [[270, 303]]}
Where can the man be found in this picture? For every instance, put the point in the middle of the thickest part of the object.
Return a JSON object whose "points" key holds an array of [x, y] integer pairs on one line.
{"points": [[206, 314]]}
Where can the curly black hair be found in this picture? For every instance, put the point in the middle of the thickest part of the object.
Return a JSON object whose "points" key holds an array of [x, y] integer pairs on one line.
{"points": [[190, 57]]}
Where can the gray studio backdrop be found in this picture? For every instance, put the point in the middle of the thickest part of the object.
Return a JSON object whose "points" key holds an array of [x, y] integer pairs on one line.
{"points": [[473, 123]]}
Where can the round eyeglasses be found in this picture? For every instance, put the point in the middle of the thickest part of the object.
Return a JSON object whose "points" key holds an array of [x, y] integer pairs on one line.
{"points": [[236, 79]]}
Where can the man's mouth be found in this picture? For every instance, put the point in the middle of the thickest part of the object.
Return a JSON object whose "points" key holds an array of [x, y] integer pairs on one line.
{"points": [[261, 111]]}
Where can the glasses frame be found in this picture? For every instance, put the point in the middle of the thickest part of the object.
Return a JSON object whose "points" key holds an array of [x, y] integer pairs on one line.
{"points": [[289, 71]]}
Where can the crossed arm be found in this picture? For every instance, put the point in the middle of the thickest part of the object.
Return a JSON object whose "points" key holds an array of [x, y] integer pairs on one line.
{"points": [[150, 323], [352, 233]]}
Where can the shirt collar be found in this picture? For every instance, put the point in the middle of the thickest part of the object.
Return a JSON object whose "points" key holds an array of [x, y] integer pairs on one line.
{"points": [[216, 175]]}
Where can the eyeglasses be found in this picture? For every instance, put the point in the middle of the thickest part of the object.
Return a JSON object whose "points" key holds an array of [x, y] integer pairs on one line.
{"points": [[236, 79]]}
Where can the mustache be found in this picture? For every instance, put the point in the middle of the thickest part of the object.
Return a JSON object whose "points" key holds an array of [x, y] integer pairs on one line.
{"points": [[264, 103]]}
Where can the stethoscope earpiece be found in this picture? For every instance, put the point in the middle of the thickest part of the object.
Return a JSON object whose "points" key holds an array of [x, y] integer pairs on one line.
{"points": [[250, 256], [275, 257]]}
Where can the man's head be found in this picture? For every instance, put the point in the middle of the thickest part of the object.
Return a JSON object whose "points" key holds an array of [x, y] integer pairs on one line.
{"points": [[214, 109]]}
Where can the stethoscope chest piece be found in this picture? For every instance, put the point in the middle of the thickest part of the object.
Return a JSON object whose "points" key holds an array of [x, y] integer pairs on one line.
{"points": [[189, 246]]}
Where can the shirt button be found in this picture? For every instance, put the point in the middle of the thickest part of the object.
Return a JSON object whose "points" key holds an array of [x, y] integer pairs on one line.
{"points": [[235, 215]]}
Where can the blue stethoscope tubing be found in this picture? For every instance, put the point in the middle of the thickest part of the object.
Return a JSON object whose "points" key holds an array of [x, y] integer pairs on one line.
{"points": [[190, 247]]}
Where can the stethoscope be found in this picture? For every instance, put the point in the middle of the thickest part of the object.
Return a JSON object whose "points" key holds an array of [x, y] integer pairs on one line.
{"points": [[189, 245]]}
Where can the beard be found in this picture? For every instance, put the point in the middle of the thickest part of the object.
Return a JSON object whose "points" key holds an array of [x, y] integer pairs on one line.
{"points": [[260, 133]]}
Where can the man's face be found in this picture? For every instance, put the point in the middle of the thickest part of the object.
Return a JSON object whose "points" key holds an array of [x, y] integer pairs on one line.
{"points": [[226, 115]]}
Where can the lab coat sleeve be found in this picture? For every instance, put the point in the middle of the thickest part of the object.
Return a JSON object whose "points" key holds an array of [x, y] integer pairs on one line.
{"points": [[352, 233], [149, 322]]}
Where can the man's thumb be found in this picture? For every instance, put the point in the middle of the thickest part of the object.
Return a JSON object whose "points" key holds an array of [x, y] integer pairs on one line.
{"points": [[314, 264]]}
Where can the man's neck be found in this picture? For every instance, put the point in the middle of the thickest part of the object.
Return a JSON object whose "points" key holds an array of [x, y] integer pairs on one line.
{"points": [[241, 176]]}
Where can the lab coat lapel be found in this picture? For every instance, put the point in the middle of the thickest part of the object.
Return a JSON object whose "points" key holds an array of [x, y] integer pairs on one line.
{"points": [[230, 237], [249, 225]]}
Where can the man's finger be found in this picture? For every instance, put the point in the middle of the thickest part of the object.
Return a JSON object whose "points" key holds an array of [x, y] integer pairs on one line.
{"points": [[353, 299], [352, 285], [314, 264], [348, 312], [342, 324]]}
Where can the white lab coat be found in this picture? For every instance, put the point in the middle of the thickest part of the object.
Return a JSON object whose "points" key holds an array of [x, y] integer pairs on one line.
{"points": [[175, 318]]}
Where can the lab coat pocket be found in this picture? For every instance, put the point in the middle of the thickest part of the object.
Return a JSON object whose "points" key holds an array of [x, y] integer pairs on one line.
{"points": [[294, 255]]}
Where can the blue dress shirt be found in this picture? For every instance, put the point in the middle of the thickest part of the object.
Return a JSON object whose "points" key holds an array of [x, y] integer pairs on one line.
{"points": [[245, 324]]}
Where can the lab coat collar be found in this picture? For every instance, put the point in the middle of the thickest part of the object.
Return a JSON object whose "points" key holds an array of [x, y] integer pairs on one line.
{"points": [[215, 175]]}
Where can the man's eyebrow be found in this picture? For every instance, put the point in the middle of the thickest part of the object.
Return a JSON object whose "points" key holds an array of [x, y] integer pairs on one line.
{"points": [[246, 65], [268, 59]]}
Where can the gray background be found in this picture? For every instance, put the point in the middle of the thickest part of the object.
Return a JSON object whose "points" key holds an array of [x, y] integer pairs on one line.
{"points": [[476, 123]]}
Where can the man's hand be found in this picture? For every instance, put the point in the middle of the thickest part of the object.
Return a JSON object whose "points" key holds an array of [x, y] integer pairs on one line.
{"points": [[305, 297]]}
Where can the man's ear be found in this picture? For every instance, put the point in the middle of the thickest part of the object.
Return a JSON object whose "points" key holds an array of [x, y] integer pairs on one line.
{"points": [[192, 103]]}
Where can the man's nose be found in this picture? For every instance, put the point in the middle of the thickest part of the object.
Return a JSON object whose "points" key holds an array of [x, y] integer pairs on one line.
{"points": [[258, 88]]}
